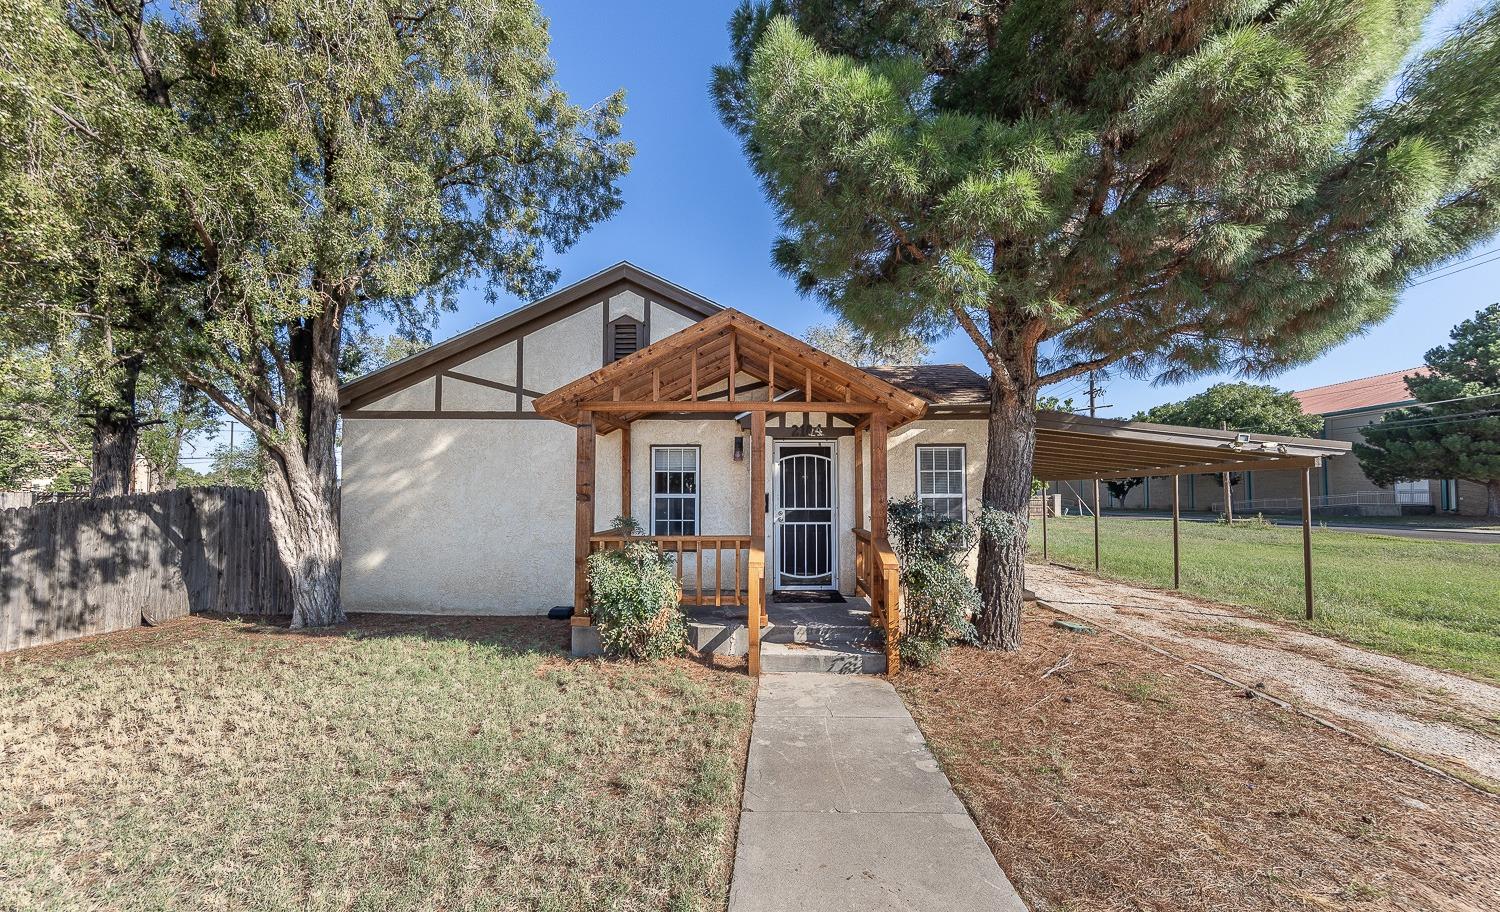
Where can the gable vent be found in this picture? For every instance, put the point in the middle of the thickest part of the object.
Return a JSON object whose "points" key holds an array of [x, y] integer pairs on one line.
{"points": [[625, 336]]}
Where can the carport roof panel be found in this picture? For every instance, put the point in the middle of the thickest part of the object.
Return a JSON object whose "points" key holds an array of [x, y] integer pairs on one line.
{"points": [[1070, 447]]}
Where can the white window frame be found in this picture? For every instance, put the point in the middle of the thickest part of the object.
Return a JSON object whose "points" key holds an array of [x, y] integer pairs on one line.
{"points": [[696, 497], [963, 477], [1414, 493]]}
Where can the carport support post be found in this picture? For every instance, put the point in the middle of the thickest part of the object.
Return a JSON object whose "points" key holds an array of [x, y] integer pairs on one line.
{"points": [[1046, 505], [1176, 543], [1096, 525], [1307, 585], [583, 528]]}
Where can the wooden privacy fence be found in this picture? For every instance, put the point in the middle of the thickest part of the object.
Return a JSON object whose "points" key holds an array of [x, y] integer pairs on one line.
{"points": [[78, 567]]}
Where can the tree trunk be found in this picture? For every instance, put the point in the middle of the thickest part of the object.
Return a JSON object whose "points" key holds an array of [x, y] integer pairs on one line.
{"points": [[115, 435], [302, 481], [305, 523], [1007, 488], [1493, 487]]}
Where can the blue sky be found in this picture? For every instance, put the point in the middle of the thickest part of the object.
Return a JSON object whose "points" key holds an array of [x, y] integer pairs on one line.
{"points": [[695, 214]]}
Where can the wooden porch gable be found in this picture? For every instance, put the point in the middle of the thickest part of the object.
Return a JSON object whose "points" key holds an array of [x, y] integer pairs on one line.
{"points": [[678, 374], [701, 370]]}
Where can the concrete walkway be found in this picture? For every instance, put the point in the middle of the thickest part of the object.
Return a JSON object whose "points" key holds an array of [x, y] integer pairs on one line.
{"points": [[846, 809]]}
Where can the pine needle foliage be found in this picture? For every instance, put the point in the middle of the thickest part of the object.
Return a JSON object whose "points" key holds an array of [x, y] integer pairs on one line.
{"points": [[1163, 189]]}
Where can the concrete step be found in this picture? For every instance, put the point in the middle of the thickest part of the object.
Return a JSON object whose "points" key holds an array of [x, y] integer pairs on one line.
{"points": [[820, 634], [866, 658]]}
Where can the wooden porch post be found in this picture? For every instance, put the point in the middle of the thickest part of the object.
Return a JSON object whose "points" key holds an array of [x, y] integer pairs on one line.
{"points": [[1307, 582], [755, 611], [878, 495], [625, 509], [859, 477], [1176, 543], [584, 519]]}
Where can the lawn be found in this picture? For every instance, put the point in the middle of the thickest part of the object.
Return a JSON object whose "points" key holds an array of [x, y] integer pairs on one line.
{"points": [[421, 763], [1106, 777], [1434, 602]]}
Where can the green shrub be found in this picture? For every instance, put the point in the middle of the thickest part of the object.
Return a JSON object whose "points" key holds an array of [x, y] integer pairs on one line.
{"points": [[635, 599], [940, 599]]}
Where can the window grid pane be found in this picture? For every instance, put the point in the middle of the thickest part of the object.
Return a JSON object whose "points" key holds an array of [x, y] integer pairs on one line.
{"points": [[940, 481], [674, 490]]}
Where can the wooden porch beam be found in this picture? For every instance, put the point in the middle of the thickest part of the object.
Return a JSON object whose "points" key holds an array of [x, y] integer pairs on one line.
{"points": [[785, 405]]}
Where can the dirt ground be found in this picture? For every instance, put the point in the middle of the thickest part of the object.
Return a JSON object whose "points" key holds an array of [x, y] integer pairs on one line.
{"points": [[1445, 719], [1108, 777]]}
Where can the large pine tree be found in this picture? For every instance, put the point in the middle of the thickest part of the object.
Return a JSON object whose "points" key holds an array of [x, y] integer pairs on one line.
{"points": [[1165, 189]]}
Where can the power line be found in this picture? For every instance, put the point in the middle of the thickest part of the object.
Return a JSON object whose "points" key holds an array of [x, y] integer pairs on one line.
{"points": [[1433, 420], [1493, 257]]}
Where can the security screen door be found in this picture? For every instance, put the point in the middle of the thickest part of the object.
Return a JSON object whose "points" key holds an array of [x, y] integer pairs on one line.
{"points": [[804, 517]]}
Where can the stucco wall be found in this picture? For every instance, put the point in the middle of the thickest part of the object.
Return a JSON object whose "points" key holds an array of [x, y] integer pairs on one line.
{"points": [[901, 458], [457, 516]]}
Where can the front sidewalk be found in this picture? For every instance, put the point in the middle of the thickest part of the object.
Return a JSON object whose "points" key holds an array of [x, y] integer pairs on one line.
{"points": [[846, 809]]}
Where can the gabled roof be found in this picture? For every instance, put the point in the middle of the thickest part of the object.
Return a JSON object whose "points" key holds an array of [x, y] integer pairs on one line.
{"points": [[623, 273], [1366, 392], [679, 367]]}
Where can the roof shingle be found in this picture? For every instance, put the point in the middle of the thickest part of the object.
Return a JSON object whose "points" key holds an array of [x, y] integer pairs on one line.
{"points": [[939, 384]]}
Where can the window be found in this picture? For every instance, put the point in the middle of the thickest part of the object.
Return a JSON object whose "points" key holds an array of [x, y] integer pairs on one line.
{"points": [[940, 481], [1413, 492], [625, 336], [674, 490]]}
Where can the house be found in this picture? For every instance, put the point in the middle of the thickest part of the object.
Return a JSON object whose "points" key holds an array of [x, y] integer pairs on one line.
{"points": [[1341, 486], [480, 473]]}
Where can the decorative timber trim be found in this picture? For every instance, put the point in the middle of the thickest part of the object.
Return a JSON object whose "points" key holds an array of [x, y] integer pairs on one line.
{"points": [[489, 336]]}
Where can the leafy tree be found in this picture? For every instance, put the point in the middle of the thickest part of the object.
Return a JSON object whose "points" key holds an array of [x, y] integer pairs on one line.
{"points": [[80, 225], [1166, 189], [1251, 407], [323, 167], [369, 351], [42, 435], [243, 466], [1120, 488], [848, 342], [1455, 431]]}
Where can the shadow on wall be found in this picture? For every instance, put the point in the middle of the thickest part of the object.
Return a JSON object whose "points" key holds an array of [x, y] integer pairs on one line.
{"points": [[81, 567]]}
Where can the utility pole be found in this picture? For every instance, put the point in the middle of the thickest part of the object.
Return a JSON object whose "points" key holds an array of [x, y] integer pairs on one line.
{"points": [[1094, 392], [229, 463], [1228, 490]]}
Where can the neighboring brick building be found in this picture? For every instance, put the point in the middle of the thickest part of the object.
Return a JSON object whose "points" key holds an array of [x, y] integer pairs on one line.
{"points": [[1339, 487]]}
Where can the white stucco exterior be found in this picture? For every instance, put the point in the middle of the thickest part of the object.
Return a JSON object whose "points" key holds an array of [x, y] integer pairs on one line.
{"points": [[464, 502], [456, 516]]}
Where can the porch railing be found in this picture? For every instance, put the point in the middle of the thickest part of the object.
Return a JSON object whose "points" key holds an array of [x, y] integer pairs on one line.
{"points": [[727, 561], [877, 576]]}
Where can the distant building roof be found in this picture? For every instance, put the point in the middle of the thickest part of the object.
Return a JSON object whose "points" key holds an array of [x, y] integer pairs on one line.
{"points": [[939, 384], [1366, 392]]}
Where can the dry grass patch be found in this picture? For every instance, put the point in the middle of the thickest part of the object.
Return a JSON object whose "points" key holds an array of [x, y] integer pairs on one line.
{"points": [[395, 763], [1124, 780]]}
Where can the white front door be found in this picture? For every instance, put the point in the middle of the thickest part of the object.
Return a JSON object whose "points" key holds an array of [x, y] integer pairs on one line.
{"points": [[803, 528]]}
